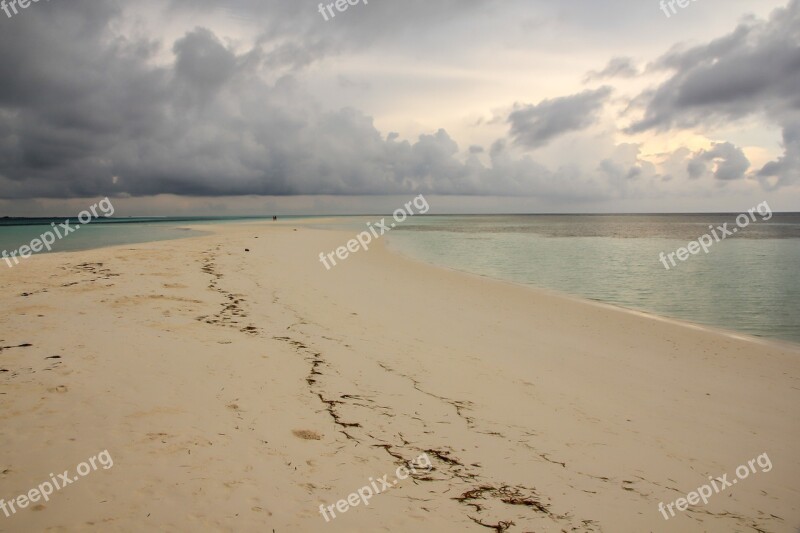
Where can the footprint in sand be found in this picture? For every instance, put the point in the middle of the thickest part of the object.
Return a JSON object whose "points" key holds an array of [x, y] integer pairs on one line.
{"points": [[306, 434]]}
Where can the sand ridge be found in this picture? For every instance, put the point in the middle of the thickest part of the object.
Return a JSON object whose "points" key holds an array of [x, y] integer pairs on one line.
{"points": [[239, 390]]}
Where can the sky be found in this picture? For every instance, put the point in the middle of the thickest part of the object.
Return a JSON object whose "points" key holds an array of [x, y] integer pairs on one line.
{"points": [[262, 107]]}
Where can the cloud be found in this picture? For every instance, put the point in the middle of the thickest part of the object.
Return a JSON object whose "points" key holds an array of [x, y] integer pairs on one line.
{"points": [[753, 70], [729, 162], [347, 83], [202, 64], [95, 102], [533, 126], [85, 111], [785, 169], [301, 24], [626, 172], [618, 67]]}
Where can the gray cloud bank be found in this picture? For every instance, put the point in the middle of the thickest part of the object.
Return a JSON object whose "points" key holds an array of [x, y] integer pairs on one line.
{"points": [[536, 125], [86, 112], [83, 112]]}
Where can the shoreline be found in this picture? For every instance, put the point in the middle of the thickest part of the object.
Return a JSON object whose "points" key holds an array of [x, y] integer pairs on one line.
{"points": [[318, 224], [247, 388], [719, 330]]}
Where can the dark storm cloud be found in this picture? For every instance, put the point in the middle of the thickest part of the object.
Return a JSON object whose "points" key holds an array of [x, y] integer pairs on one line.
{"points": [[203, 64], [68, 96], [534, 126], [86, 113]]}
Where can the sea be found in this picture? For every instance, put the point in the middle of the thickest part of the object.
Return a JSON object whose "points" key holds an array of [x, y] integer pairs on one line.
{"points": [[102, 232], [747, 282]]}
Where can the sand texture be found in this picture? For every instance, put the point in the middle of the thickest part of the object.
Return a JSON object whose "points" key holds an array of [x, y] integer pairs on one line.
{"points": [[239, 390]]}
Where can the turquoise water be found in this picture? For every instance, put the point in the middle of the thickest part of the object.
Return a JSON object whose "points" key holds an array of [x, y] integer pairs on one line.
{"points": [[748, 282], [103, 232]]}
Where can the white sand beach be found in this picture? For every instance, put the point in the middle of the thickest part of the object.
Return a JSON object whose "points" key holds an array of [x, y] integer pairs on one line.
{"points": [[239, 390]]}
